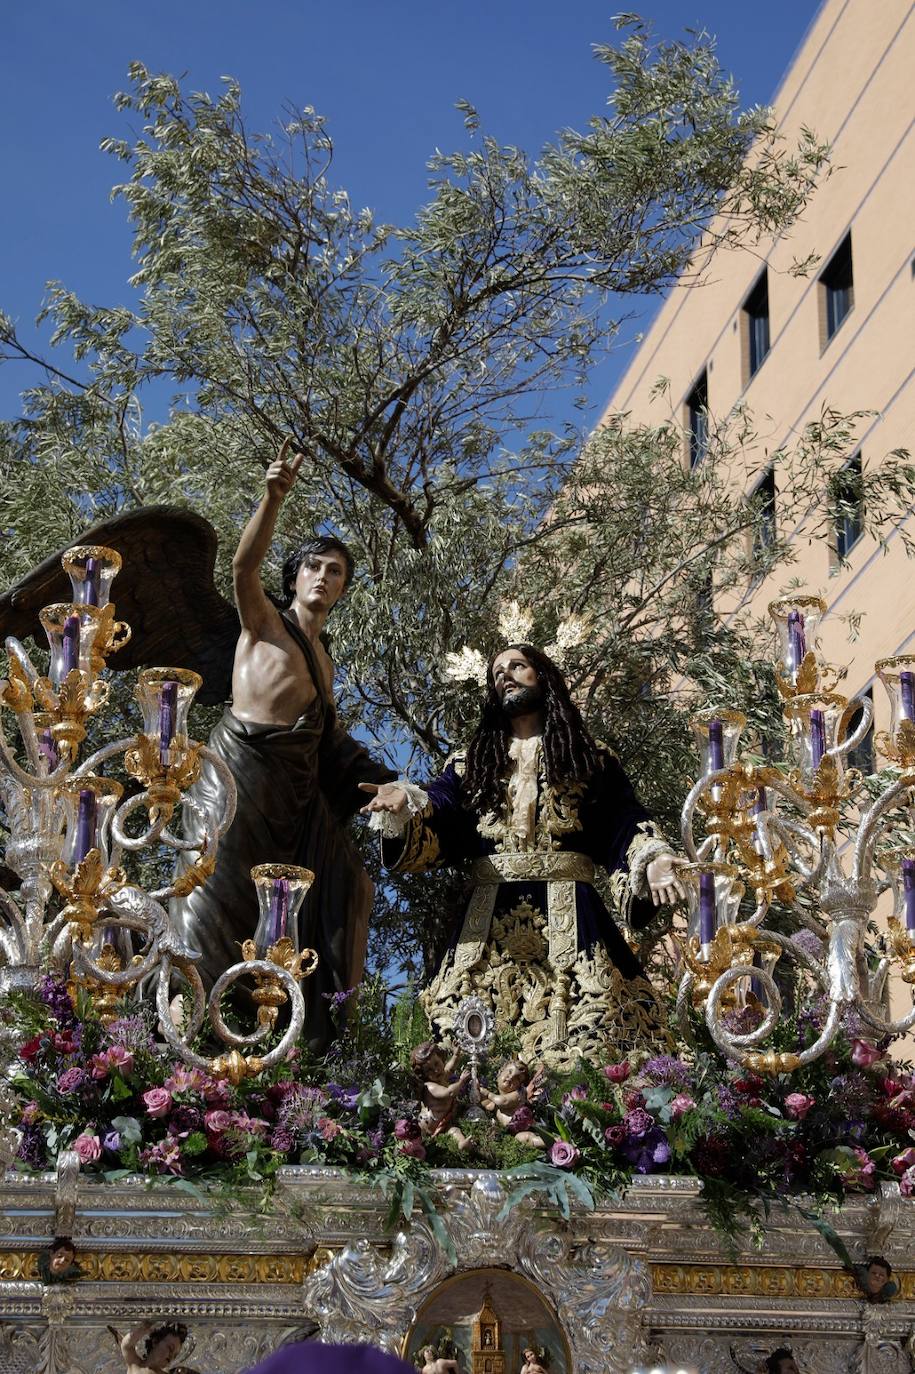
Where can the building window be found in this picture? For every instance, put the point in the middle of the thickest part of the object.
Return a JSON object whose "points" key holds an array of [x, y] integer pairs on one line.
{"points": [[862, 756], [765, 528], [838, 287], [848, 497], [697, 410], [756, 309]]}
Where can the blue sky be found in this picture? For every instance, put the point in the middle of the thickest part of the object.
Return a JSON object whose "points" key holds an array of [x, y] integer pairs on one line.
{"points": [[386, 75]]}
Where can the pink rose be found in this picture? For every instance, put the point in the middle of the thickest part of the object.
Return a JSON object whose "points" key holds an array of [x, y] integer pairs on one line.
{"points": [[901, 1163], [414, 1148], [119, 1058], [797, 1105], [563, 1154], [682, 1103], [865, 1054], [328, 1127], [158, 1101], [88, 1147], [405, 1129], [907, 1183], [618, 1073], [217, 1121], [864, 1177]]}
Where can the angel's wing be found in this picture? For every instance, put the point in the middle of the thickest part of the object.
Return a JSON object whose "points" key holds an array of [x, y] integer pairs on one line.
{"points": [[165, 591]]}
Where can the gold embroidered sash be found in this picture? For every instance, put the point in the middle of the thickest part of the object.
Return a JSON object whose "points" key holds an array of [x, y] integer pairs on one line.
{"points": [[559, 870]]}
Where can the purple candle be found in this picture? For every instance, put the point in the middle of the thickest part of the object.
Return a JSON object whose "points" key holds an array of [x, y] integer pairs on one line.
{"points": [[797, 640], [47, 749], [70, 645], [715, 745], [279, 910], [908, 887], [760, 802], [86, 822], [168, 707], [907, 695], [91, 582], [707, 910], [817, 737]]}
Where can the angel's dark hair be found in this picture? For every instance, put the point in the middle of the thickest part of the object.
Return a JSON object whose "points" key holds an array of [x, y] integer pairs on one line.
{"points": [[773, 1363], [320, 543], [569, 752], [161, 1333], [878, 1259], [420, 1057], [62, 1243]]}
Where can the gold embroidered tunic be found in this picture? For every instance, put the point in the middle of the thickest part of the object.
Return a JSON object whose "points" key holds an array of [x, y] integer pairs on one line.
{"points": [[536, 941]]}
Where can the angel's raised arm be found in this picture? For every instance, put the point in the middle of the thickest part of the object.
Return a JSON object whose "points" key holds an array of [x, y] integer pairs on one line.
{"points": [[254, 607]]}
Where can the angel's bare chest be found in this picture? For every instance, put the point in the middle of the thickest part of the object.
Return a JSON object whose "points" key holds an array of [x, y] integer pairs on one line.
{"points": [[272, 682]]}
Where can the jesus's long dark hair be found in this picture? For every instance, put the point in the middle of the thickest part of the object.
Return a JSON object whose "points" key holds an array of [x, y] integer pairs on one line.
{"points": [[569, 752]]}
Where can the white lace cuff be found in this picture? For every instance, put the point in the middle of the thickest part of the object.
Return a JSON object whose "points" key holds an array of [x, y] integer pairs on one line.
{"points": [[391, 827], [643, 851]]}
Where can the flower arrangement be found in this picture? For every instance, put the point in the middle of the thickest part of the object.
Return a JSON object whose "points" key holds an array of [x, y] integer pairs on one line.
{"points": [[109, 1093]]}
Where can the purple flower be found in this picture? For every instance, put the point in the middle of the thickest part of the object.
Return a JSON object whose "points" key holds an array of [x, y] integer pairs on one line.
{"points": [[32, 1147], [728, 1101], [647, 1152], [282, 1140], [809, 943], [69, 1081], [666, 1069], [615, 1135], [338, 999], [563, 1154], [57, 999], [638, 1122], [301, 1108], [347, 1097], [407, 1129], [112, 1142], [130, 1032], [183, 1120], [522, 1120]]}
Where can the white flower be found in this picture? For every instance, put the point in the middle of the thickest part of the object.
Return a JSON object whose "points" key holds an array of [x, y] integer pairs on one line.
{"points": [[468, 665], [515, 623]]}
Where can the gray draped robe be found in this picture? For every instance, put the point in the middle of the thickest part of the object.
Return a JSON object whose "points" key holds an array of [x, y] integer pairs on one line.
{"points": [[297, 787]]}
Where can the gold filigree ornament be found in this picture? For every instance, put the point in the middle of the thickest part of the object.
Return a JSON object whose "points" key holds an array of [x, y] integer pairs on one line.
{"points": [[808, 677], [15, 692], [200, 870], [68, 705], [86, 889], [269, 994], [732, 947], [163, 782], [771, 1062], [111, 636], [902, 948]]}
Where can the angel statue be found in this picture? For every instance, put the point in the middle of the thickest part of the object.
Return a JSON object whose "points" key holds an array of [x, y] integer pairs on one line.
{"points": [[296, 769], [152, 1348], [536, 803]]}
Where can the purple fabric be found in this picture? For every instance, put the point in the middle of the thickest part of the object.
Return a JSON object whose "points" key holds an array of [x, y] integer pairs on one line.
{"points": [[308, 1357]]}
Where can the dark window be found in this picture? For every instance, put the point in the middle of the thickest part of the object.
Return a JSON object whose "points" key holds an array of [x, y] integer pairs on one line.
{"points": [[862, 756], [697, 405], [756, 308], [849, 506], [838, 285], [765, 529]]}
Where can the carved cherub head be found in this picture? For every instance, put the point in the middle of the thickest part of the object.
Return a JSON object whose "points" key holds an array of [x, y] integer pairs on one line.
{"points": [[61, 1255], [513, 1076], [428, 1062], [164, 1344]]}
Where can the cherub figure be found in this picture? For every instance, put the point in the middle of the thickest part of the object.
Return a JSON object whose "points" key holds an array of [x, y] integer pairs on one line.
{"points": [[535, 1362], [436, 1364], [438, 1095], [875, 1279], [519, 1088], [161, 1342], [58, 1263]]}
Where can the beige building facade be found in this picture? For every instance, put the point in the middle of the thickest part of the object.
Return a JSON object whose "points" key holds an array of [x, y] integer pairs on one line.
{"points": [[842, 337]]}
